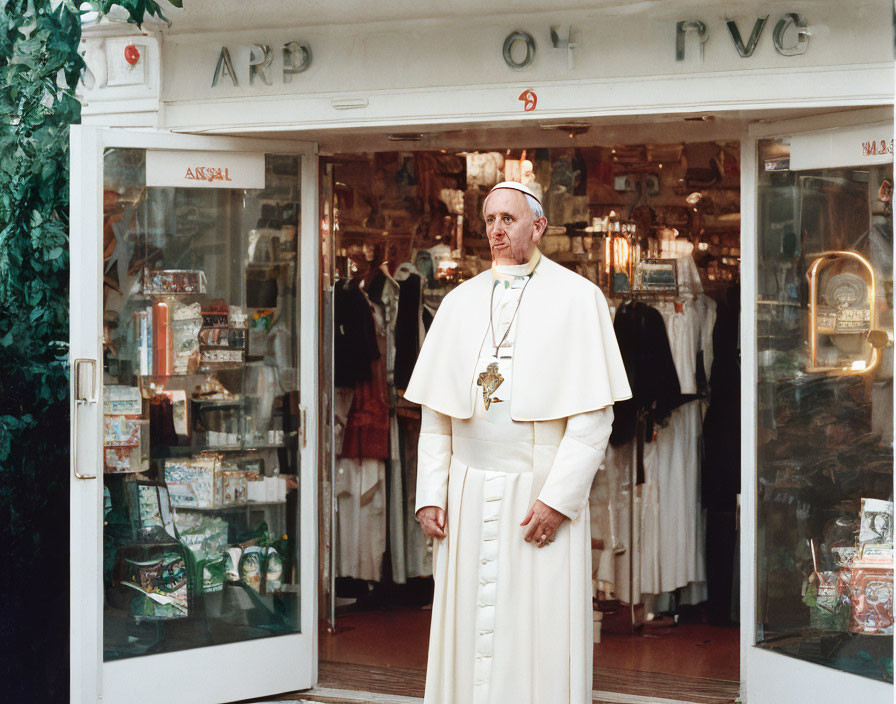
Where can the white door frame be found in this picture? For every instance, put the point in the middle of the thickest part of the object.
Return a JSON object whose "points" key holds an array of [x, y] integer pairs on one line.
{"points": [[210, 674], [768, 677]]}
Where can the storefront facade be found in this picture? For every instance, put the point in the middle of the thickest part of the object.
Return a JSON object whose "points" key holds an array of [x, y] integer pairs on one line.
{"points": [[236, 102]]}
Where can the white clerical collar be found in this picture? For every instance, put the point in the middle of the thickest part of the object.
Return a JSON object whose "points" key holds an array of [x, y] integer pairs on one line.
{"points": [[508, 272]]}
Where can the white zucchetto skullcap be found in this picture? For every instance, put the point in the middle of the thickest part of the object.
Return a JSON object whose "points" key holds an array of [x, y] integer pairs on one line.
{"points": [[514, 186]]}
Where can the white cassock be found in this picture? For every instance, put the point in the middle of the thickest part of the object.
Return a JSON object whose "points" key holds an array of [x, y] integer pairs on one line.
{"points": [[512, 622]]}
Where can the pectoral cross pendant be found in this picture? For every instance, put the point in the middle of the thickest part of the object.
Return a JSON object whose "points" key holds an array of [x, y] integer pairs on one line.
{"points": [[490, 380]]}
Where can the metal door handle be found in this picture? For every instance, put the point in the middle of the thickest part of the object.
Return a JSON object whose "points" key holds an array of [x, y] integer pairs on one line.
{"points": [[84, 374]]}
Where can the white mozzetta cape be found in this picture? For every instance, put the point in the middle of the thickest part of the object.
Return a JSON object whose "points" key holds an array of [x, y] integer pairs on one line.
{"points": [[566, 360]]}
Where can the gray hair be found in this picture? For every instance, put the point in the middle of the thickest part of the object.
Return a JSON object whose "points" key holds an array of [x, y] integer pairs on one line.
{"points": [[535, 206]]}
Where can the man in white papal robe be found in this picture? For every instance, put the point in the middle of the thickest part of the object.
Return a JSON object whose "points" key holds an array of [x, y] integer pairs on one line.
{"points": [[516, 378]]}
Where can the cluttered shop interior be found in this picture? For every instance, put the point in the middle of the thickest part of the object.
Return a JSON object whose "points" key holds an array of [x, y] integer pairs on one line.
{"points": [[202, 430], [656, 225], [657, 228]]}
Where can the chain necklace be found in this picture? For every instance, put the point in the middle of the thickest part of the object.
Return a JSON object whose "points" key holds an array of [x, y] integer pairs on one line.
{"points": [[491, 309]]}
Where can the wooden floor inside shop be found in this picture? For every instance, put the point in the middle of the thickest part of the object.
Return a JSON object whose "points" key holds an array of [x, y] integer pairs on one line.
{"points": [[384, 652]]}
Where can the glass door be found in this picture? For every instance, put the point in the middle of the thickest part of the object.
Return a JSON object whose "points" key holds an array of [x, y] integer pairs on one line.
{"points": [[819, 379], [194, 358]]}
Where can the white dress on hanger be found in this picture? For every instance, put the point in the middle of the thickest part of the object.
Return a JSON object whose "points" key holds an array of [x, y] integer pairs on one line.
{"points": [[682, 554]]}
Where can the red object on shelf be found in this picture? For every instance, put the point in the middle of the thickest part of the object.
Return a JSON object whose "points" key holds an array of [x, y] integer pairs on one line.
{"points": [[161, 340], [131, 54]]}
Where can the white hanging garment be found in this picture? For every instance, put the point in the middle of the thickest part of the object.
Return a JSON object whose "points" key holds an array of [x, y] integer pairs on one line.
{"points": [[360, 490]]}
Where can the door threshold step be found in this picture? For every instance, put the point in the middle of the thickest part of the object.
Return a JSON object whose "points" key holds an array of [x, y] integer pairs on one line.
{"points": [[327, 695]]}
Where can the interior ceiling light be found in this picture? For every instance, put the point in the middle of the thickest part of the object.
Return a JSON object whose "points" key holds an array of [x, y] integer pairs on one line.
{"points": [[405, 137]]}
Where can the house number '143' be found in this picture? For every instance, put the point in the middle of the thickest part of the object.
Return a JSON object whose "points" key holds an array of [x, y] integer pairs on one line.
{"points": [[296, 58]]}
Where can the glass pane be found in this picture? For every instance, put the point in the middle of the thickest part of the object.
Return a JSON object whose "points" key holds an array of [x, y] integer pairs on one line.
{"points": [[825, 414], [201, 407]]}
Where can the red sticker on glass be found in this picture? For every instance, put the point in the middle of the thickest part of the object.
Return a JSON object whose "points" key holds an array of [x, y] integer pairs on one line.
{"points": [[530, 100]]}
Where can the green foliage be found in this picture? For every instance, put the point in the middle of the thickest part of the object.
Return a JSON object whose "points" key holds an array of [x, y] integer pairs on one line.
{"points": [[39, 71]]}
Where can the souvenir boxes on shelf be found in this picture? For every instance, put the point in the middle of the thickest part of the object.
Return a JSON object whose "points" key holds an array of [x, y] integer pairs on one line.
{"points": [[871, 582], [205, 482], [194, 482], [223, 337], [125, 433], [168, 338], [171, 281], [858, 597]]}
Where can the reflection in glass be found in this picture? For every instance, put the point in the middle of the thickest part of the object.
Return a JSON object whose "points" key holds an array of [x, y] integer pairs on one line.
{"points": [[825, 414], [200, 321]]}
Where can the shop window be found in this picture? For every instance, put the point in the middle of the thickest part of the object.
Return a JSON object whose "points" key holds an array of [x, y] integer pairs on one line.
{"points": [[825, 414], [200, 321]]}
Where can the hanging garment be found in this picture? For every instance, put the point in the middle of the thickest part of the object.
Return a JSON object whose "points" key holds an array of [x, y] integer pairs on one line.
{"points": [[361, 501], [720, 477], [706, 317], [408, 326], [683, 329], [681, 549], [384, 291], [497, 595], [610, 504], [418, 553], [644, 345], [366, 433], [354, 340]]}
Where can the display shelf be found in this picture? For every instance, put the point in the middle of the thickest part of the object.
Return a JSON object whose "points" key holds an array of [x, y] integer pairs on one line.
{"points": [[231, 507], [220, 401], [165, 452]]}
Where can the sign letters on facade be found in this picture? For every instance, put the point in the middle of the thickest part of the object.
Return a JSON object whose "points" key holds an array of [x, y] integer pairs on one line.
{"points": [[786, 41], [790, 37], [296, 59]]}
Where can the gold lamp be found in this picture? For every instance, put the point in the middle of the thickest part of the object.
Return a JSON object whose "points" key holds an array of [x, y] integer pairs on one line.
{"points": [[842, 311]]}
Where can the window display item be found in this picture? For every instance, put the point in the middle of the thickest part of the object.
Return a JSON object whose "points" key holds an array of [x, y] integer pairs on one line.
{"points": [[273, 574], [121, 431], [179, 411], [212, 572], [161, 584], [162, 357], [251, 570], [213, 390], [842, 316], [125, 434], [194, 482], [174, 281], [123, 400], [872, 601], [231, 564], [656, 276], [150, 512], [262, 569], [830, 611], [186, 322], [143, 326], [221, 339], [876, 527], [234, 485]]}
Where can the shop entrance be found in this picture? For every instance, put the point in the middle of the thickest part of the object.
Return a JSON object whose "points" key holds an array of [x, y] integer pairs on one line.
{"points": [[652, 216]]}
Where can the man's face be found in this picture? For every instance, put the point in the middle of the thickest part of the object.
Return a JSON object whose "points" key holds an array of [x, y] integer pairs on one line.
{"points": [[511, 227]]}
